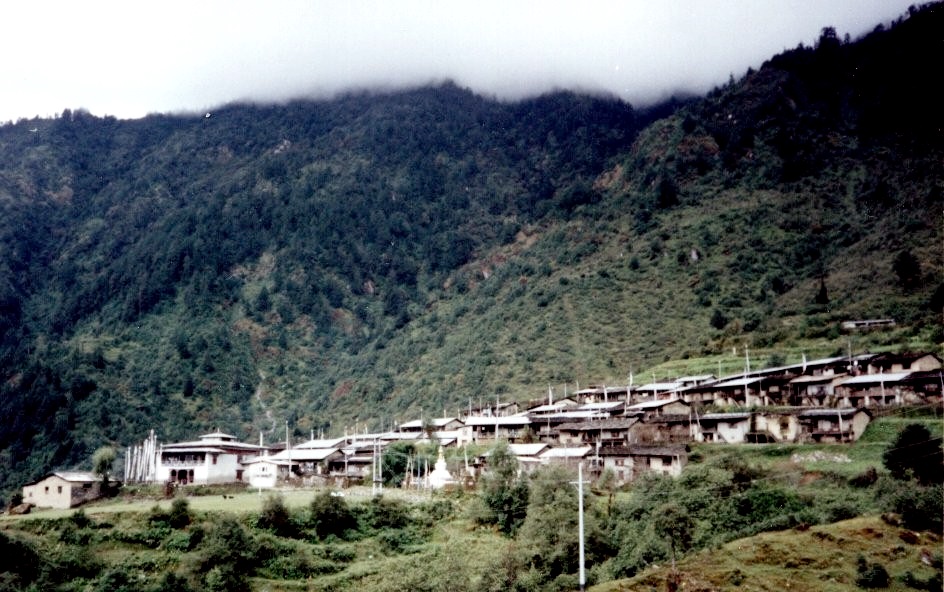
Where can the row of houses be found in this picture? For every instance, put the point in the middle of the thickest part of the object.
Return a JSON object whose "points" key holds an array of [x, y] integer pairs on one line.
{"points": [[627, 429]]}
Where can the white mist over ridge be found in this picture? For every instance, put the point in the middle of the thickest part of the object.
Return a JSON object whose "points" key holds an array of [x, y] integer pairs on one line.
{"points": [[131, 59]]}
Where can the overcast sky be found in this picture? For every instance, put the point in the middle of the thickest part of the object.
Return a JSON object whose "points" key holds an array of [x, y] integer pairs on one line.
{"points": [[129, 58]]}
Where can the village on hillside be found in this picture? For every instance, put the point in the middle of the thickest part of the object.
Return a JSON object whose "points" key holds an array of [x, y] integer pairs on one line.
{"points": [[630, 430]]}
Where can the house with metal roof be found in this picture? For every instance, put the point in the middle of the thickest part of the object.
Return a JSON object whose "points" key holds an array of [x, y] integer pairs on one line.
{"points": [[435, 424], [875, 390], [605, 432], [648, 409], [63, 490], [727, 428], [478, 429], [833, 425], [566, 455]]}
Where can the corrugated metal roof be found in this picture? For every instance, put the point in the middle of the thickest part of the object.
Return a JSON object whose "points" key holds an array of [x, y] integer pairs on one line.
{"points": [[723, 416], [818, 378], [875, 378], [563, 452], [660, 386], [330, 443], [436, 422], [601, 406], [844, 411], [305, 454], [500, 420], [526, 449], [651, 404], [738, 382]]}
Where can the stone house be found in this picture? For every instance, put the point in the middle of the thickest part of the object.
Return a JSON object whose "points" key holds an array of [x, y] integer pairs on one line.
{"points": [[727, 428], [478, 429], [63, 490], [774, 426], [307, 461], [816, 390], [833, 425], [566, 455], [876, 390], [908, 362], [649, 409], [668, 427], [663, 460], [439, 424], [607, 432]]}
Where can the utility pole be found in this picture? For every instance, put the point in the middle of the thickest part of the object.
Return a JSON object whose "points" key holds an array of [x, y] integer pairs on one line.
{"points": [[583, 576], [377, 470]]}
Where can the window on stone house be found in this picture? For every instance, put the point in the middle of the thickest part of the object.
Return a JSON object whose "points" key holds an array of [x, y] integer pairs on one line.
{"points": [[59, 489]]}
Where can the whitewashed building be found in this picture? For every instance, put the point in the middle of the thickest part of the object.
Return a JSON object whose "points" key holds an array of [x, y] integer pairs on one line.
{"points": [[62, 490], [214, 458]]}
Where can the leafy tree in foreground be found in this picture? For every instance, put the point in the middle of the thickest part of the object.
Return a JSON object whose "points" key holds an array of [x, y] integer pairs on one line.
{"points": [[504, 493], [102, 461], [673, 523], [915, 454], [908, 269], [331, 516]]}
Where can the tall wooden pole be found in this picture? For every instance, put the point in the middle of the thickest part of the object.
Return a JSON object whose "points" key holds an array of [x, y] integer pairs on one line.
{"points": [[583, 575]]}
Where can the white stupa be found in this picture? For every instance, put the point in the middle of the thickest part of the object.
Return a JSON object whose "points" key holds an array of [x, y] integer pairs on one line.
{"points": [[440, 476]]}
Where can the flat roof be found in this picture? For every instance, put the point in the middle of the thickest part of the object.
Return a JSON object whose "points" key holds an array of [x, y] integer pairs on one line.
{"points": [[724, 416], [653, 404], [323, 443], [577, 452], [436, 422], [659, 386], [498, 420], [875, 378], [817, 378], [305, 454], [606, 405], [738, 382], [526, 449]]}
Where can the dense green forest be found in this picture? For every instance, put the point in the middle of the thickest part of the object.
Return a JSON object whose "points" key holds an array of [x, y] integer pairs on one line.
{"points": [[376, 257]]}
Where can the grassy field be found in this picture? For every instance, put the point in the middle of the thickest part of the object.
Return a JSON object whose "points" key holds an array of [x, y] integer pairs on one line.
{"points": [[238, 502], [822, 558]]}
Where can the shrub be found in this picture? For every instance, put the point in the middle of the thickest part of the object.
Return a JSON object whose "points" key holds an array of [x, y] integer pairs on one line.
{"points": [[275, 516], [398, 540], [871, 575], [178, 541], [227, 555], [172, 582], [921, 508], [179, 516], [19, 561], [331, 516], [80, 520], [932, 584], [116, 580], [298, 567], [915, 454], [382, 513]]}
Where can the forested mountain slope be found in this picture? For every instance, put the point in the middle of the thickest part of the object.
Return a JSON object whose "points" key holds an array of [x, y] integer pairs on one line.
{"points": [[383, 255]]}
